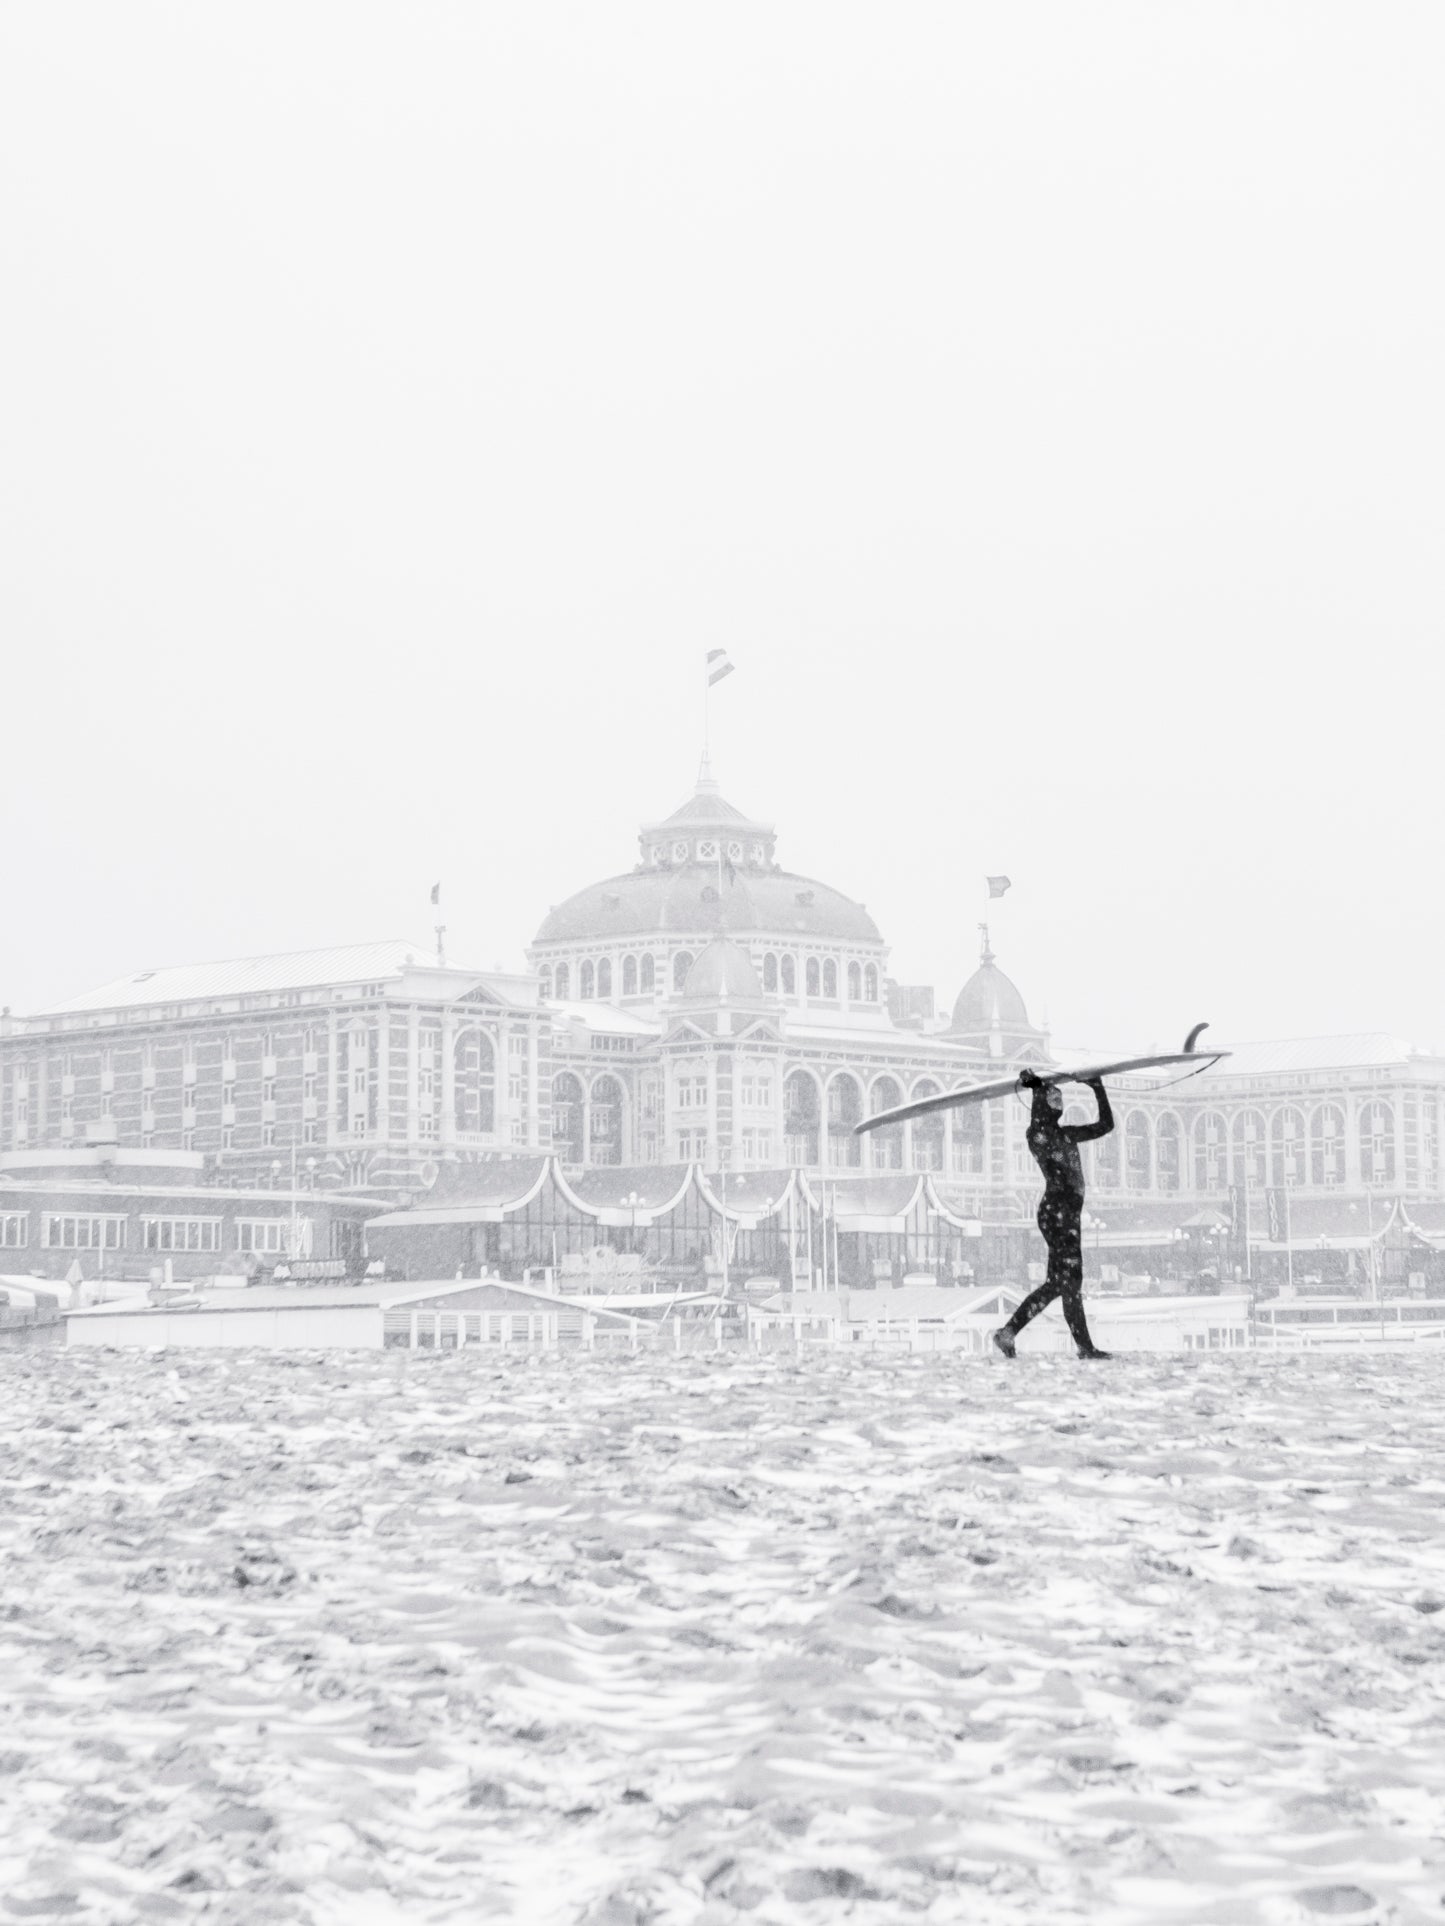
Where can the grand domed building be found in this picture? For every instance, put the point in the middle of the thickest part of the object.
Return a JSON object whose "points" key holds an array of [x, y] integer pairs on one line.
{"points": [[678, 1074], [714, 1007]]}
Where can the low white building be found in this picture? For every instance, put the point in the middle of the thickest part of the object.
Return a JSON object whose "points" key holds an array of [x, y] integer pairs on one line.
{"points": [[330, 1318]]}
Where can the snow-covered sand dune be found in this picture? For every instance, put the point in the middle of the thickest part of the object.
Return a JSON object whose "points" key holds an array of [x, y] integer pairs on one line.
{"points": [[611, 1640]]}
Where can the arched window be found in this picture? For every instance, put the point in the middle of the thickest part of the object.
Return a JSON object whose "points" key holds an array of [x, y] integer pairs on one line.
{"points": [[1211, 1152], [1327, 1145], [1247, 1138], [1377, 1143], [1106, 1165], [788, 970], [604, 1145], [474, 1082], [544, 982], [800, 1117], [564, 982], [845, 1108], [870, 984], [567, 1118], [855, 983], [813, 977], [928, 1131], [604, 978], [681, 964], [1168, 1152], [1287, 1146], [886, 1094], [629, 976], [830, 978], [649, 976], [1136, 1151], [968, 1127], [586, 981], [770, 974]]}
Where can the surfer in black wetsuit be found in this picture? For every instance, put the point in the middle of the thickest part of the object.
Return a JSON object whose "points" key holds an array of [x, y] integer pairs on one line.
{"points": [[1055, 1148]]}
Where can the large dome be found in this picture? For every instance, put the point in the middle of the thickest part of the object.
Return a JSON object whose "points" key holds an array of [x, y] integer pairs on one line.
{"points": [[688, 901], [708, 869]]}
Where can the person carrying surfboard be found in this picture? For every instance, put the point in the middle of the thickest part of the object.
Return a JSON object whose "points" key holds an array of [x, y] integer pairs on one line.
{"points": [[1055, 1147]]}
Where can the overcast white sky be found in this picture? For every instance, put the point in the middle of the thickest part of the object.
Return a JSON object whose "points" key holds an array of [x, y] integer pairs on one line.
{"points": [[1043, 404]]}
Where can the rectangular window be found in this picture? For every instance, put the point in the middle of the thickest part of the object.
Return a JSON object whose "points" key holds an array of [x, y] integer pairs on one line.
{"points": [[308, 1131], [358, 1083], [268, 1136], [228, 1093], [268, 1090], [228, 1138], [58, 1233], [188, 1140], [181, 1233], [358, 1124], [188, 1100], [308, 1087], [271, 1235], [14, 1230]]}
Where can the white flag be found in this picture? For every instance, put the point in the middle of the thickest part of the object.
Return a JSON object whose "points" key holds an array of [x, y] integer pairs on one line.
{"points": [[718, 666]]}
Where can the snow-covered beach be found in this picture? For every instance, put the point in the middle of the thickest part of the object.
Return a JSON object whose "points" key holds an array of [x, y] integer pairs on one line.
{"points": [[375, 1638]]}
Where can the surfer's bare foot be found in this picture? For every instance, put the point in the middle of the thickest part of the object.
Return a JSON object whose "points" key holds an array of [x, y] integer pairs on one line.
{"points": [[1093, 1351], [1005, 1342]]}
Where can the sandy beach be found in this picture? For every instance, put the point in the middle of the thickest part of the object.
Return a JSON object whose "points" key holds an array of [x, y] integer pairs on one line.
{"points": [[599, 1641]]}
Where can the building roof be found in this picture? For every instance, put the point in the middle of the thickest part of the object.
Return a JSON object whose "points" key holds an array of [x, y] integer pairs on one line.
{"points": [[292, 1297], [989, 998], [504, 1183], [1357, 1050], [686, 901], [346, 963], [723, 969], [707, 804], [603, 1017]]}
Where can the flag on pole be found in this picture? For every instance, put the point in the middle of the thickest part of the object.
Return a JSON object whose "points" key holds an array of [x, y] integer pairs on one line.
{"points": [[996, 885], [436, 892], [718, 666]]}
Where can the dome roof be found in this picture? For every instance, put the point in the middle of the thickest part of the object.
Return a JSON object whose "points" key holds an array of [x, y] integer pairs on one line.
{"points": [[989, 996], [687, 901], [723, 970]]}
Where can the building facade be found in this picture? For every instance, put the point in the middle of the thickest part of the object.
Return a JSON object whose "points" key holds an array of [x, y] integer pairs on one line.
{"points": [[367, 1061], [707, 1010]]}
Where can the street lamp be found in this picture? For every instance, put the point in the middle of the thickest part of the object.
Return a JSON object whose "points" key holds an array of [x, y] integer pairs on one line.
{"points": [[1369, 1241], [634, 1204]]}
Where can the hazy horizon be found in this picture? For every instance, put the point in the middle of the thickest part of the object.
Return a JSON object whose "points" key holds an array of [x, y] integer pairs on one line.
{"points": [[1042, 406]]}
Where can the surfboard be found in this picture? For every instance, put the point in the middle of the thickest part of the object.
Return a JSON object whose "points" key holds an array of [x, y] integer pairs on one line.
{"points": [[1009, 1086]]}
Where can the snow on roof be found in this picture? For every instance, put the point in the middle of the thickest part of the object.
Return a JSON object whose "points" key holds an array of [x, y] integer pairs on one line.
{"points": [[1360, 1050], [606, 1017], [250, 975]]}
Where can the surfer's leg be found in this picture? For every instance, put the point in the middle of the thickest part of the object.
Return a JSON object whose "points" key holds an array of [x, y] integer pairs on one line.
{"points": [[1030, 1308], [1068, 1256]]}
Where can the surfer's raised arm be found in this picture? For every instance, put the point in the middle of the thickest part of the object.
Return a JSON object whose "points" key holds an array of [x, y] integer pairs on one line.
{"points": [[1085, 1133]]}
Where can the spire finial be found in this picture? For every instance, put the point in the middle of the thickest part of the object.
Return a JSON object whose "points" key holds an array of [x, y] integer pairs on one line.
{"points": [[985, 953]]}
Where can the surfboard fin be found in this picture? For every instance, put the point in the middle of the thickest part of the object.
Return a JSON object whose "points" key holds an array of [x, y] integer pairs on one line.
{"points": [[1193, 1038]]}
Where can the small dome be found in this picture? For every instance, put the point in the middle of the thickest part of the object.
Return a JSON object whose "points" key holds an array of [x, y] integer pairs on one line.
{"points": [[723, 970], [989, 997]]}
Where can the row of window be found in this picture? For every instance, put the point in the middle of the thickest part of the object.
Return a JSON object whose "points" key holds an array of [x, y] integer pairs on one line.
{"points": [[638, 977], [62, 1231]]}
